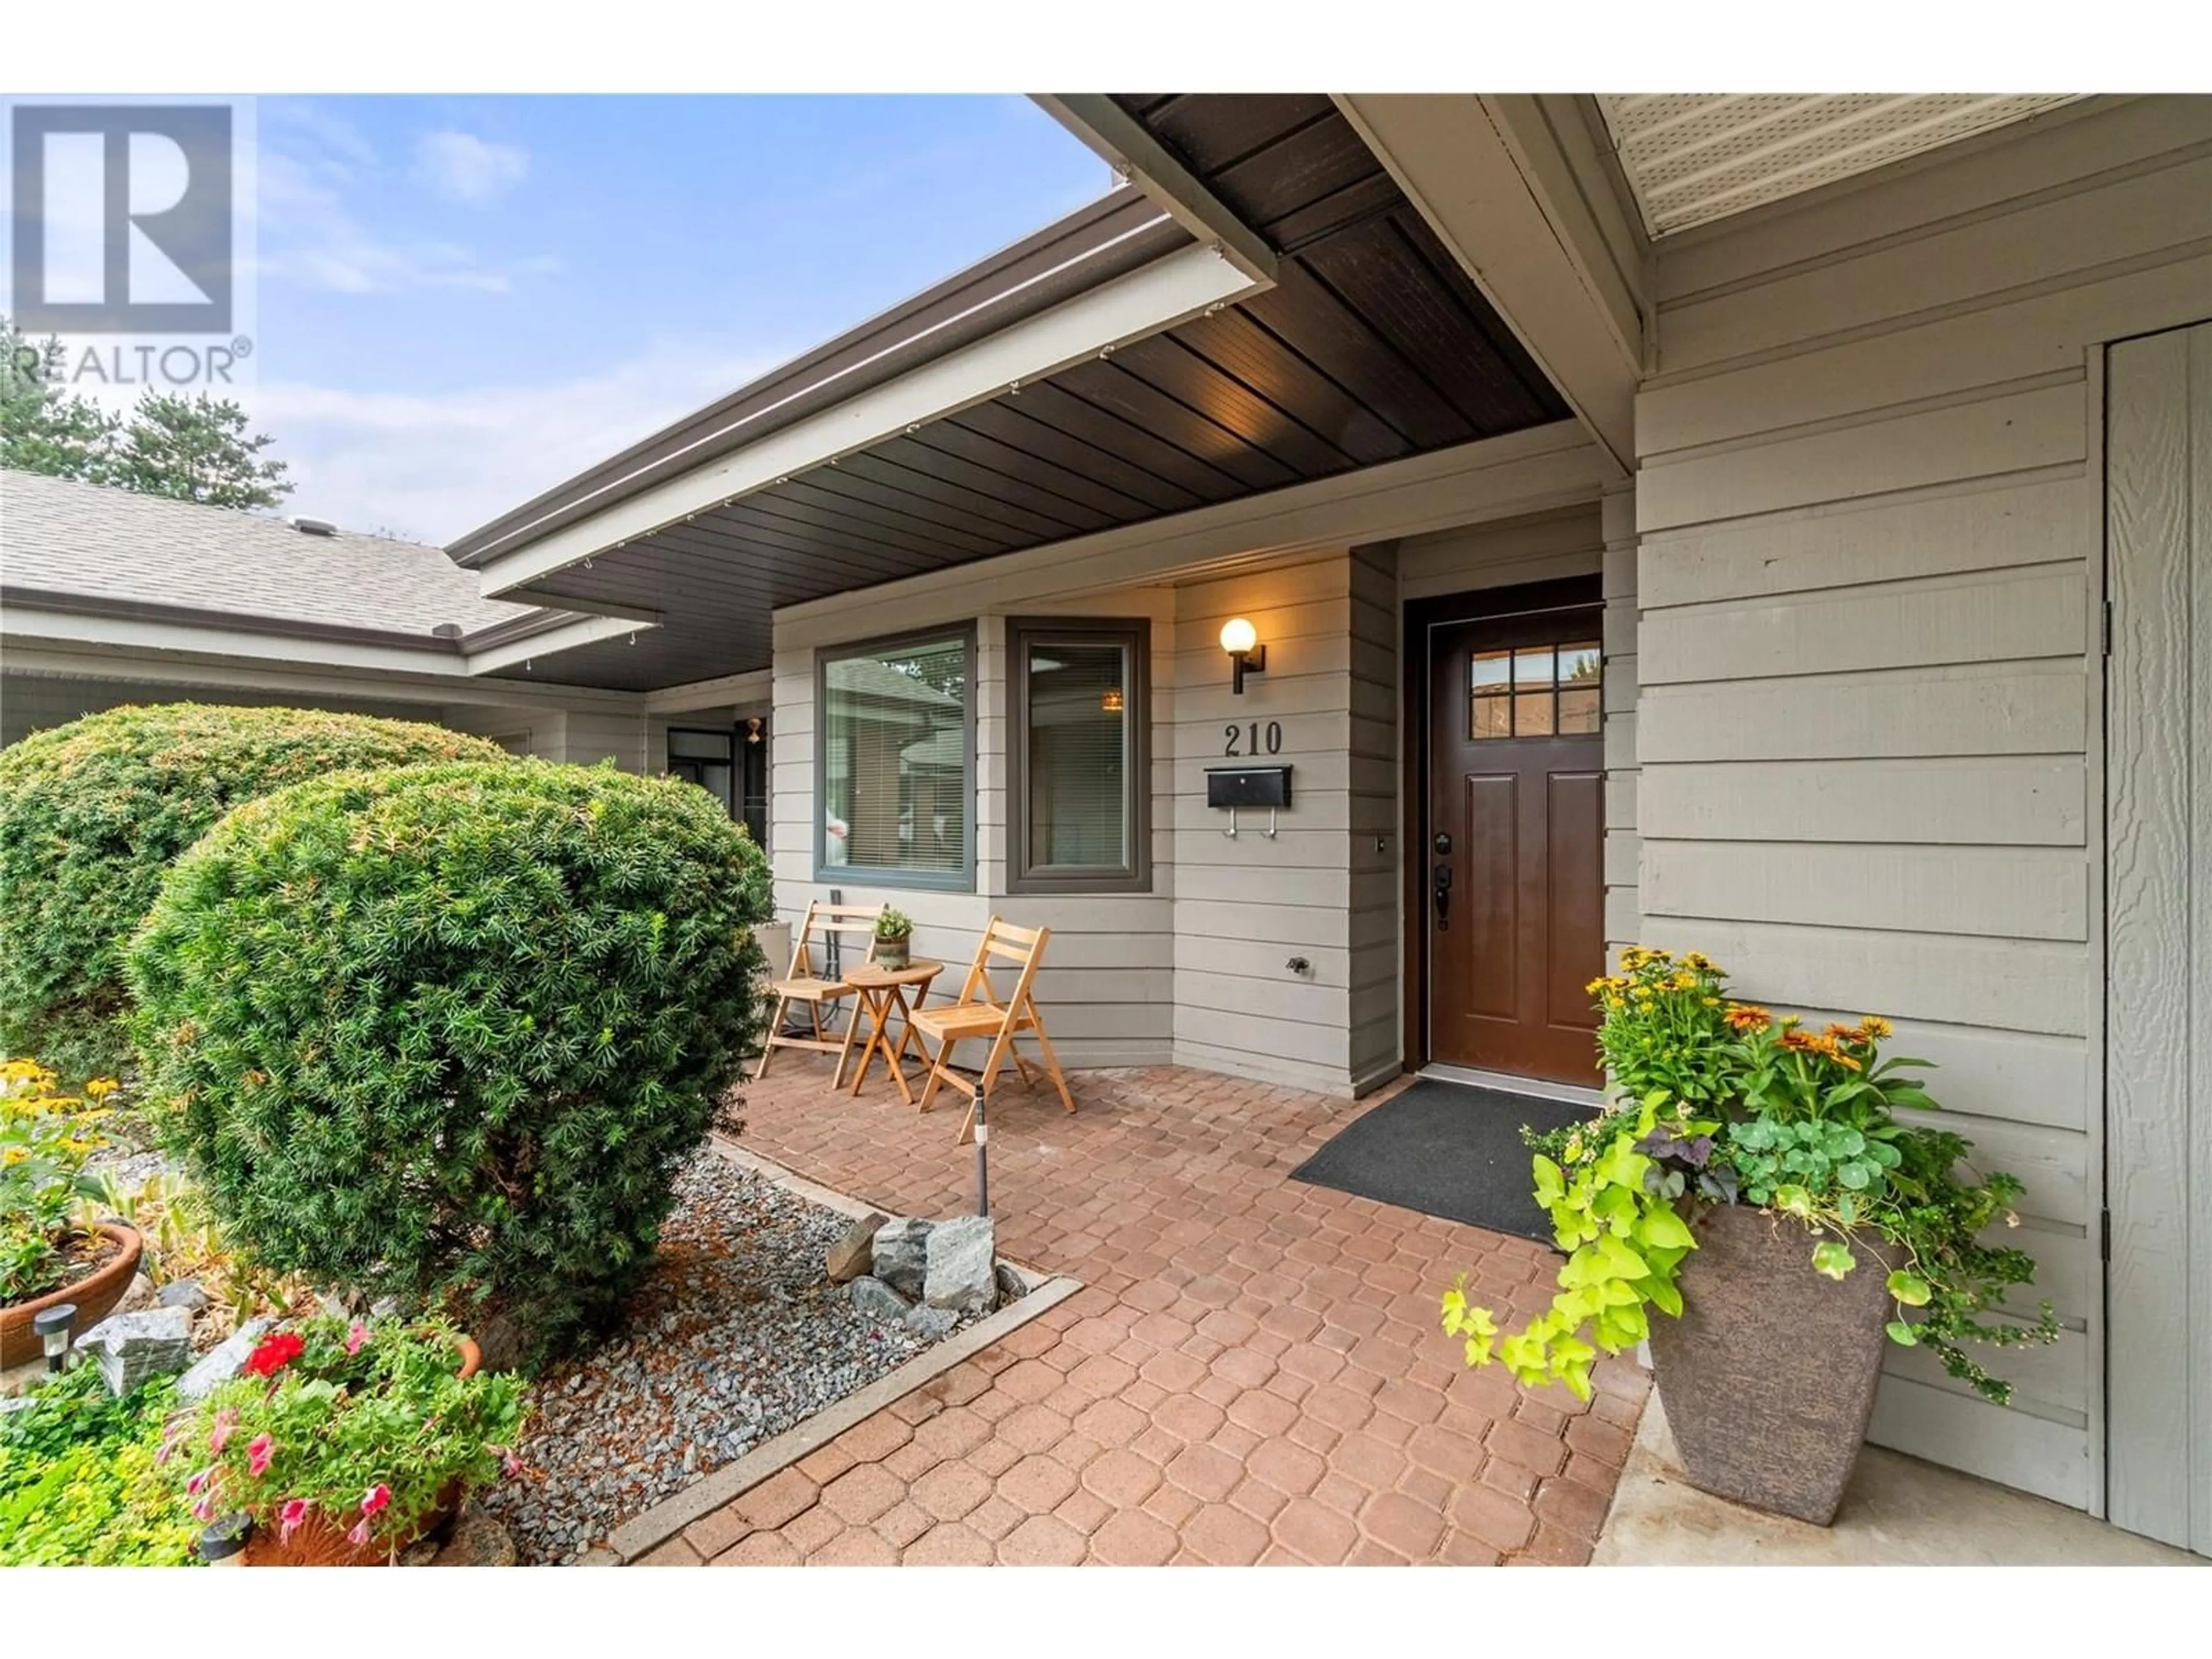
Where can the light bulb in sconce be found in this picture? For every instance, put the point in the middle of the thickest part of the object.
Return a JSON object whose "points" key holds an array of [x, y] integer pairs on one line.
{"points": [[1109, 700], [753, 730], [1247, 655]]}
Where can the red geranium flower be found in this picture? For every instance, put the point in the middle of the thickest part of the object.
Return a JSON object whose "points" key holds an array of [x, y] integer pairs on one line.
{"points": [[274, 1354]]}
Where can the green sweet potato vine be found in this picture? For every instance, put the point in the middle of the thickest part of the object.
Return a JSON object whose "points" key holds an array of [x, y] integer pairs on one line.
{"points": [[1728, 1104]]}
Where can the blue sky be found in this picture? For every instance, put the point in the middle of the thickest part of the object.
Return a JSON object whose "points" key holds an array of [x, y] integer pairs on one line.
{"points": [[461, 300]]}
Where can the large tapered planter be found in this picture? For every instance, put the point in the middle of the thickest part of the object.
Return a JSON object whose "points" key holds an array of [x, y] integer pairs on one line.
{"points": [[1768, 1377]]}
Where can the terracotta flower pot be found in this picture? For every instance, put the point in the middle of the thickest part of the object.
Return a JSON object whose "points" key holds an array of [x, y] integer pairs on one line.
{"points": [[319, 1544], [95, 1296], [1768, 1377]]}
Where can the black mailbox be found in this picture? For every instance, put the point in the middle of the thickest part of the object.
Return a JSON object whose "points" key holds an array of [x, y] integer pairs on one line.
{"points": [[1248, 785]]}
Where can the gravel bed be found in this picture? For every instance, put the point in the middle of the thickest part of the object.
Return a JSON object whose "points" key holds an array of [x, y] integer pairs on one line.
{"points": [[736, 1336], [129, 1169]]}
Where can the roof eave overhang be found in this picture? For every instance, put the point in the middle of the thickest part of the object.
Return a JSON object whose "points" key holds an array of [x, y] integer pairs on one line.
{"points": [[1127, 304], [89, 619]]}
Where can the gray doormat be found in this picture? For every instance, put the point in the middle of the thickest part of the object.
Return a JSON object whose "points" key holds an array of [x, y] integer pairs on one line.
{"points": [[1452, 1149]]}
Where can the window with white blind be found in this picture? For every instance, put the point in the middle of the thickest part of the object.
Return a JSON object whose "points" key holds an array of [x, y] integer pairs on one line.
{"points": [[896, 756], [1077, 783]]}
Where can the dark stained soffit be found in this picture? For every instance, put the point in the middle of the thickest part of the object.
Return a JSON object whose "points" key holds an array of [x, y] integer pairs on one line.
{"points": [[1373, 346], [1103, 240]]}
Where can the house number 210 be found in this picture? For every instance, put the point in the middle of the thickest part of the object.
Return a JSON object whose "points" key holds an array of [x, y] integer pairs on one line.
{"points": [[1251, 737]]}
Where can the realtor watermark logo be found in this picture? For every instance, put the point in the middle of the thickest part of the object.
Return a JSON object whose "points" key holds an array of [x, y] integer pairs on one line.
{"points": [[127, 223]]}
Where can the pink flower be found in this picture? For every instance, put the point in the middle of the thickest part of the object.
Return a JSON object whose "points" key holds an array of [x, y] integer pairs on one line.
{"points": [[375, 1499], [294, 1515], [225, 1421], [355, 1336], [512, 1464], [199, 1482], [359, 1534], [204, 1510], [258, 1452]]}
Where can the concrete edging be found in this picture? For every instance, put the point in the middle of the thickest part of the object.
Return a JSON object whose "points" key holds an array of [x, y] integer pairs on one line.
{"points": [[664, 1520]]}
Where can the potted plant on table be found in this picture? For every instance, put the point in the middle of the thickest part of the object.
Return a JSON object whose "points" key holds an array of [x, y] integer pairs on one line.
{"points": [[894, 934], [48, 1254], [345, 1441], [1753, 1182]]}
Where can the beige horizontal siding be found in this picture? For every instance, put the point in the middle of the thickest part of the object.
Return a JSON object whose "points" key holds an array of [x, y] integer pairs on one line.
{"points": [[1868, 580]]}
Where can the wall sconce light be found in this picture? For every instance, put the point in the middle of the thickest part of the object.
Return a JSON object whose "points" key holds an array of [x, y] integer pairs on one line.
{"points": [[753, 729], [1109, 700], [1242, 641]]}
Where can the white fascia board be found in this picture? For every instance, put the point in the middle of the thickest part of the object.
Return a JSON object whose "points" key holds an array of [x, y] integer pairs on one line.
{"points": [[183, 669], [19, 623], [1459, 158], [1527, 471], [752, 686], [1168, 291], [562, 636]]}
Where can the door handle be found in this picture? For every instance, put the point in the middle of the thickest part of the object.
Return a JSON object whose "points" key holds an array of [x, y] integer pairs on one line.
{"points": [[1442, 890]]}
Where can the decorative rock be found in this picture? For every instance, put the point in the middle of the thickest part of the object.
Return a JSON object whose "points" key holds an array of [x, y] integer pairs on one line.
{"points": [[962, 1265], [877, 1299], [478, 1541], [851, 1255], [134, 1346], [220, 1364], [184, 1293], [140, 1297], [1012, 1287], [931, 1323], [900, 1252]]}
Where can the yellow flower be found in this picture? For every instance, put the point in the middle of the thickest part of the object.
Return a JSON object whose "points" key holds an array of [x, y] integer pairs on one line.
{"points": [[14, 1155], [1874, 1027]]}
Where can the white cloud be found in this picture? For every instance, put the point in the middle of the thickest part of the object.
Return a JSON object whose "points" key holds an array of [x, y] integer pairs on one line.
{"points": [[308, 235], [434, 466], [463, 168]]}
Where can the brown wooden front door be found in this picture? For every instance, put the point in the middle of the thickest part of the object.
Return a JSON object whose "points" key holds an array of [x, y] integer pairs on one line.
{"points": [[1515, 895]]}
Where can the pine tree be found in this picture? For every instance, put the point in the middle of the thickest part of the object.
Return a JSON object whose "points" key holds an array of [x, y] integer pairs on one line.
{"points": [[196, 449], [43, 427], [193, 448]]}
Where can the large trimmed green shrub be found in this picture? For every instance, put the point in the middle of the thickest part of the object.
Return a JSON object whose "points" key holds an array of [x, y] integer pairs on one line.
{"points": [[448, 1033], [91, 813]]}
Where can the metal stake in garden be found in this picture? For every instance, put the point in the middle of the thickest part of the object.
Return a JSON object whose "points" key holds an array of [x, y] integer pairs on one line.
{"points": [[983, 1155]]}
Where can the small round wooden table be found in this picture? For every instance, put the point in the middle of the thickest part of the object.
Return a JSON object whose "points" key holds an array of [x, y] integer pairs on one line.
{"points": [[882, 992]]}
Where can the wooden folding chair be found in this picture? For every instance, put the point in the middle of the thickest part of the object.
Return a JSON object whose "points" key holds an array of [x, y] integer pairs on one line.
{"points": [[975, 1013], [852, 923]]}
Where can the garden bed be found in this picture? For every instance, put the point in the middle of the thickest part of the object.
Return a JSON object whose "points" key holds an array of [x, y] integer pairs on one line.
{"points": [[736, 1336]]}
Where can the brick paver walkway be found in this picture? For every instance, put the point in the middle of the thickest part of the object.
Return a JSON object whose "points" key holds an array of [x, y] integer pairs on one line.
{"points": [[1254, 1372]]}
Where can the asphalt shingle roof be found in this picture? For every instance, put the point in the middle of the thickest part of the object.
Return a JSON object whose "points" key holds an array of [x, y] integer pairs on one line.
{"points": [[93, 541]]}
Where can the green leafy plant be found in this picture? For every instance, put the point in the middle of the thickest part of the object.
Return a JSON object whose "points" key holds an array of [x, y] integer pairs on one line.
{"points": [[91, 814], [893, 926], [81, 1482], [46, 1136], [182, 1241], [366, 1427], [447, 1033], [1733, 1105]]}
